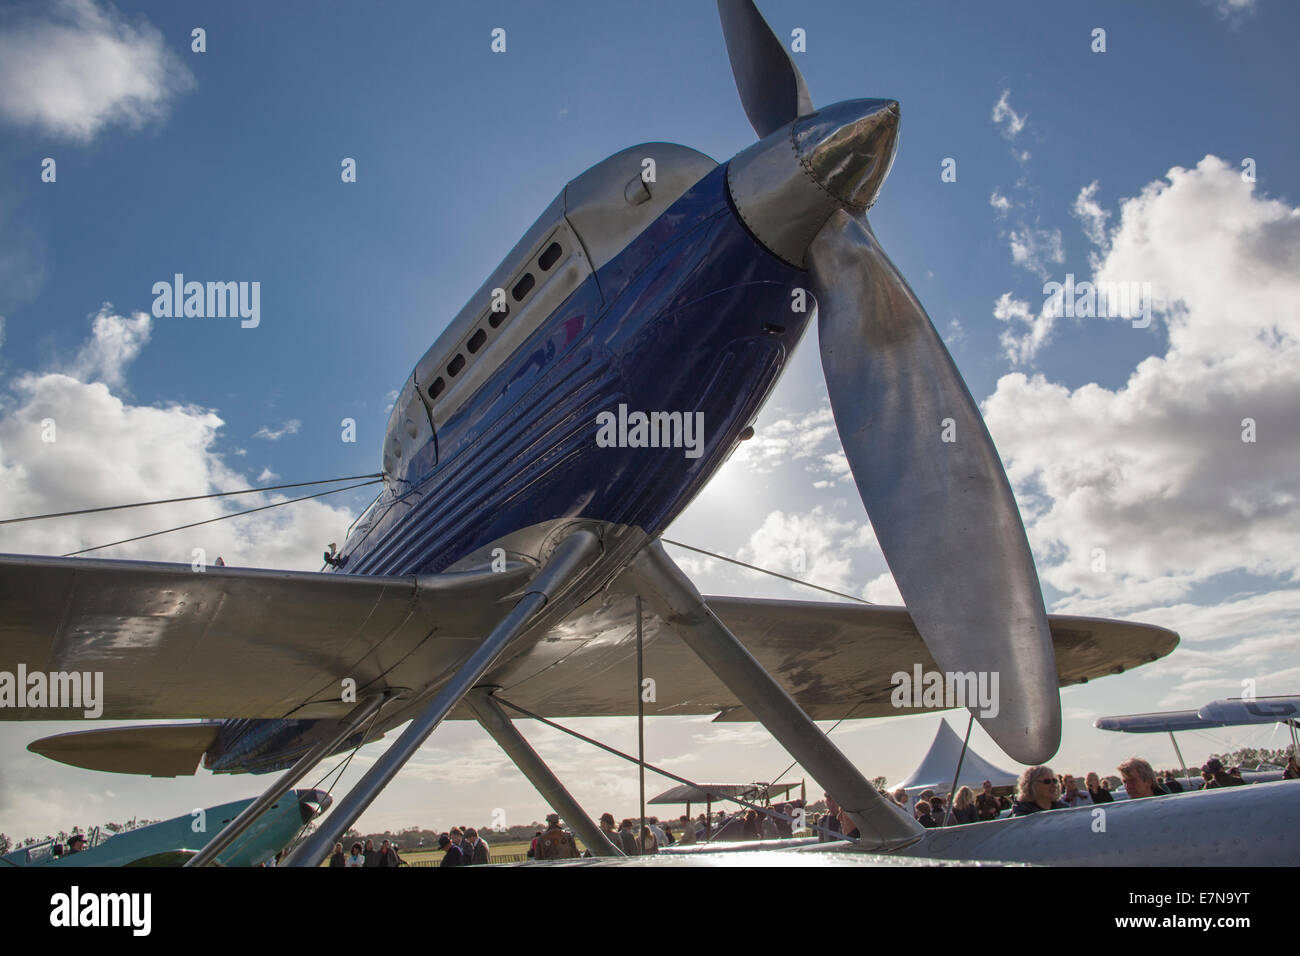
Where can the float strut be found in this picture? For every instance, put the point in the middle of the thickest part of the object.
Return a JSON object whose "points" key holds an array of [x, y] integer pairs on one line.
{"points": [[236, 827], [571, 556], [497, 723], [881, 825]]}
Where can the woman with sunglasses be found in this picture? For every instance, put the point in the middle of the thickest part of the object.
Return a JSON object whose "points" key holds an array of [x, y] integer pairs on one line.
{"points": [[1038, 791]]}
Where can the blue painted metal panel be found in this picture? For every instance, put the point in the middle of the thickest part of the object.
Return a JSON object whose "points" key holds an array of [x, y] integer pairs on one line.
{"points": [[694, 315]]}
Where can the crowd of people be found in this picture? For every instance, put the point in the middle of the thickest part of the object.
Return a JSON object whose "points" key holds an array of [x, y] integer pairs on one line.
{"points": [[775, 822], [386, 855], [1039, 789]]}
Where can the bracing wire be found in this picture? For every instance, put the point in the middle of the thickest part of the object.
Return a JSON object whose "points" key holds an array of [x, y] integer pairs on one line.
{"points": [[342, 768], [170, 501], [236, 514], [775, 574]]}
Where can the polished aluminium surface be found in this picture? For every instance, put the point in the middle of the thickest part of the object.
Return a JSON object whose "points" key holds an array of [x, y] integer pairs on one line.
{"points": [[580, 665], [571, 557], [503, 730], [236, 642], [848, 149], [1167, 721], [788, 184], [943, 511], [248, 816], [771, 87], [1236, 711], [1231, 712], [157, 750], [881, 824], [1256, 825], [833, 659]]}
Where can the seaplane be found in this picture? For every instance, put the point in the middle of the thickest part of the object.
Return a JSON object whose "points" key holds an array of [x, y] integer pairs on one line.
{"points": [[512, 565]]}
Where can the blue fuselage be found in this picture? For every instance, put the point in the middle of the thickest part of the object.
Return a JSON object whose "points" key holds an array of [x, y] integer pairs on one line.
{"points": [[693, 316]]}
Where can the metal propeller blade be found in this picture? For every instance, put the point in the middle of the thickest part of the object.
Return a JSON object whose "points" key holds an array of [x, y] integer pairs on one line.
{"points": [[943, 511], [771, 88]]}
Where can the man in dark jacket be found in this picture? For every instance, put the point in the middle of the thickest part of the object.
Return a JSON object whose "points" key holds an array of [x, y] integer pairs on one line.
{"points": [[610, 829], [451, 852], [829, 821], [457, 836], [475, 850], [924, 814], [627, 839], [986, 804]]}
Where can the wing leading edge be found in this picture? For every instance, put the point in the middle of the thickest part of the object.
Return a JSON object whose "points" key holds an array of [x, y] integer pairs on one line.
{"points": [[834, 659], [171, 642]]}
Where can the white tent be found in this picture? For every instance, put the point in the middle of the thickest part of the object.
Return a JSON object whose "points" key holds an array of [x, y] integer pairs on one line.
{"points": [[940, 763]]}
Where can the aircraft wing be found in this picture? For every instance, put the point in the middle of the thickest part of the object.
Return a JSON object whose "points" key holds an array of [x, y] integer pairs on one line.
{"points": [[1234, 712], [1165, 722], [834, 659], [171, 642]]}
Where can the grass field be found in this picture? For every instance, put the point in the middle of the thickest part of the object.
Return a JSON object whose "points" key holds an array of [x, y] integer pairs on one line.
{"points": [[435, 855]]}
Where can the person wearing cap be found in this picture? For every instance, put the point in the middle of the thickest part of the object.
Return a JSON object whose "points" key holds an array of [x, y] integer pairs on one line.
{"points": [[627, 839], [610, 829], [556, 843], [77, 843], [1213, 775], [451, 855]]}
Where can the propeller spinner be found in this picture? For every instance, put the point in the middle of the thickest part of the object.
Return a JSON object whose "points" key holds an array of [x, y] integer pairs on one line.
{"points": [[943, 511]]}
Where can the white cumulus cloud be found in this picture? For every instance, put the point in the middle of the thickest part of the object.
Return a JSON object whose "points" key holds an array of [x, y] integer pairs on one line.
{"points": [[1033, 248], [73, 67], [1147, 490], [816, 547], [68, 441], [1026, 332]]}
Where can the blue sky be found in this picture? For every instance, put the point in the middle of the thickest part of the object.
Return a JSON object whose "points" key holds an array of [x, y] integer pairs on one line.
{"points": [[225, 165]]}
